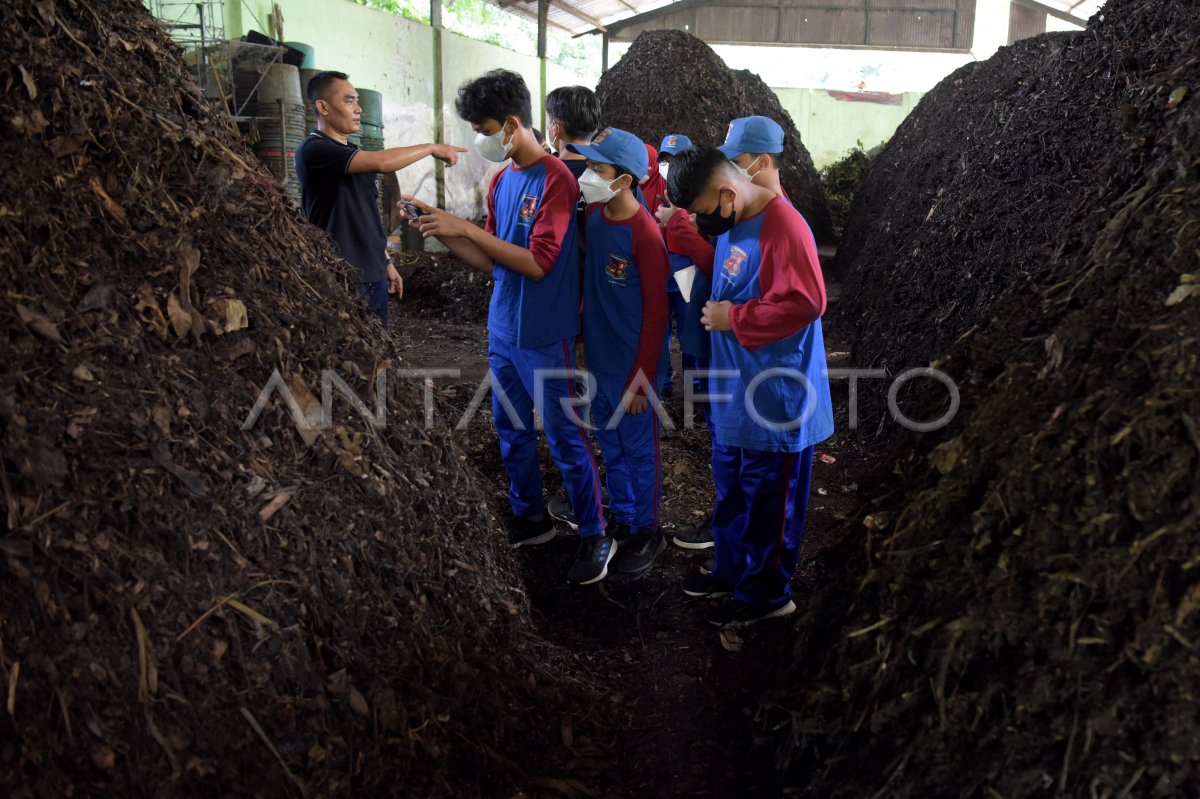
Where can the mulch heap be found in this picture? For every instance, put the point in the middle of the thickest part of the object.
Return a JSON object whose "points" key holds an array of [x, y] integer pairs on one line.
{"points": [[797, 173], [974, 191], [842, 179], [444, 287], [672, 82], [1019, 609], [190, 608]]}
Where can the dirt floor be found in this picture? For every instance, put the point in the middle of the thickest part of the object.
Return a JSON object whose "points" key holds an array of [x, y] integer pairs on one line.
{"points": [[687, 700]]}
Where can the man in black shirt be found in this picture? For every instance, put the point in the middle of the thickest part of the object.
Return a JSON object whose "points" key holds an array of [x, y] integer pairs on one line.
{"points": [[337, 184]]}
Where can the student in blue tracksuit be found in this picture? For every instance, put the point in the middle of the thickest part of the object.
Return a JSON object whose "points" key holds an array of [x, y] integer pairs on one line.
{"points": [[771, 402], [671, 144], [528, 246], [755, 146], [625, 326]]}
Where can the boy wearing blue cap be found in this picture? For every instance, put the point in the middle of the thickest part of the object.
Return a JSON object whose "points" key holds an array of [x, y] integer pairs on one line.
{"points": [[625, 324], [528, 246], [754, 145], [771, 402], [671, 144]]}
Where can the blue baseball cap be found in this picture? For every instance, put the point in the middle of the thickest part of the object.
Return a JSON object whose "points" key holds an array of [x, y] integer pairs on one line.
{"points": [[673, 143], [618, 147], [752, 135]]}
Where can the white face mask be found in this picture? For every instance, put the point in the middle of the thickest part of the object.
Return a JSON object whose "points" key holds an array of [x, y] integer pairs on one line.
{"points": [[493, 148], [746, 171], [595, 188], [663, 168], [555, 140]]}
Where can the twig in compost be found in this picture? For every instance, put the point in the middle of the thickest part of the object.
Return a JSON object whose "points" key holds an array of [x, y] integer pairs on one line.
{"points": [[14, 674], [259, 730]]}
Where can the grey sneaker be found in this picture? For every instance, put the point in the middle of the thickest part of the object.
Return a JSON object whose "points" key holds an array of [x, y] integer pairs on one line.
{"points": [[702, 585], [698, 537], [591, 559], [526, 532], [639, 551], [732, 614], [560, 508]]}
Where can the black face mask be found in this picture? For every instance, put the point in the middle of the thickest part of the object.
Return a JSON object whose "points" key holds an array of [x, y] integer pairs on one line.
{"points": [[714, 223]]}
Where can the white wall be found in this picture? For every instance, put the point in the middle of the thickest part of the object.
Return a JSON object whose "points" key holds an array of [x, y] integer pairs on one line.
{"points": [[394, 56]]}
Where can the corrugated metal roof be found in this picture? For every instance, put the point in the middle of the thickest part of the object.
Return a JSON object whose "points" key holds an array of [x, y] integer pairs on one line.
{"points": [[936, 29], [582, 16]]}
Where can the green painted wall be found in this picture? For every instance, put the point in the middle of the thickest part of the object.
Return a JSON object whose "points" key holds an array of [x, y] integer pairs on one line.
{"points": [[393, 55], [830, 127]]}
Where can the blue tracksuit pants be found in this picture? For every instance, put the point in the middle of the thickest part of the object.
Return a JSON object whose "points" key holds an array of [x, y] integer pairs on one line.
{"points": [[676, 317], [758, 523], [525, 377], [632, 455]]}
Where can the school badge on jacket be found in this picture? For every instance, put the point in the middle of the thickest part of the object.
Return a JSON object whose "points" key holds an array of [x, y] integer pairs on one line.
{"points": [[734, 263], [618, 268], [529, 204]]}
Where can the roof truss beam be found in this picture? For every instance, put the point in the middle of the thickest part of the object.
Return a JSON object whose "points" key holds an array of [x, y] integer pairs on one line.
{"points": [[510, 5], [1057, 13]]}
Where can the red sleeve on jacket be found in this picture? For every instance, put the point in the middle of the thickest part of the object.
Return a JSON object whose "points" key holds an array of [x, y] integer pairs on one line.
{"points": [[560, 199], [792, 289], [683, 239], [489, 225], [655, 187], [653, 265]]}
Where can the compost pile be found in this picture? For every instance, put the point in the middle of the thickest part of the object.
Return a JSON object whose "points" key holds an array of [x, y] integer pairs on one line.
{"points": [[973, 192], [446, 288], [672, 82], [799, 177], [1019, 612], [190, 608], [842, 179]]}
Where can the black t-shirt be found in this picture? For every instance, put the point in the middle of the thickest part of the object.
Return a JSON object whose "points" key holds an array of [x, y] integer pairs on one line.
{"points": [[577, 166], [344, 205]]}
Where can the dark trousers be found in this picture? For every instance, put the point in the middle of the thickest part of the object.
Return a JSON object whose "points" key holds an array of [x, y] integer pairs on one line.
{"points": [[520, 383], [758, 523], [676, 315], [376, 295]]}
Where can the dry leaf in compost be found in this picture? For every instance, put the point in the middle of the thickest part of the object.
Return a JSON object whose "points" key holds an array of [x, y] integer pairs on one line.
{"points": [[230, 315], [877, 521], [181, 320], [1189, 286], [38, 323], [947, 456], [149, 312]]}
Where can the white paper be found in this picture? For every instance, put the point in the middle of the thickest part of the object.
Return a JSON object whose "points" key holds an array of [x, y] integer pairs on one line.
{"points": [[684, 278]]}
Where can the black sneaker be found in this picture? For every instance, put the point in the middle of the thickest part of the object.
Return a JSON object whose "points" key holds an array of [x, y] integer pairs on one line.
{"points": [[733, 614], [560, 508], [707, 566], [639, 551], [591, 559], [698, 537], [526, 532], [618, 530], [703, 585]]}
